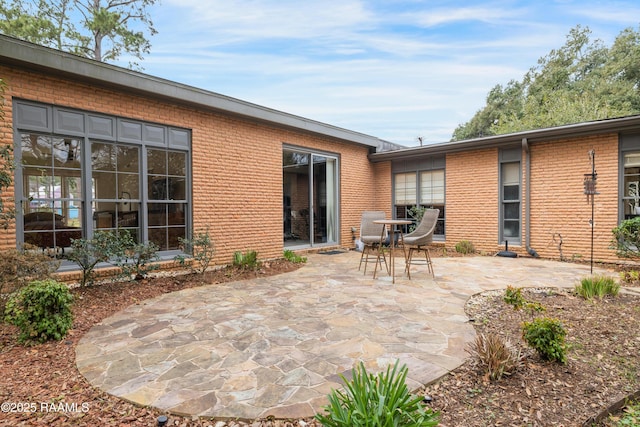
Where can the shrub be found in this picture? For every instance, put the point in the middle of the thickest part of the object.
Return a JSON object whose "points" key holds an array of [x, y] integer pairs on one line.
{"points": [[134, 259], [202, 249], [546, 336], [88, 253], [376, 401], [465, 247], [497, 356], [21, 266], [42, 311], [597, 286], [626, 238], [291, 256], [247, 260], [513, 296]]}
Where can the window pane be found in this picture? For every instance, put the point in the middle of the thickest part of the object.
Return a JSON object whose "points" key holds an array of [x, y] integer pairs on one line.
{"points": [[157, 162], [158, 188], [128, 158], [405, 188], [175, 233], [128, 186], [36, 150], [105, 185], [511, 229], [159, 237], [632, 160], [510, 173], [103, 157], [511, 192], [177, 163], [157, 214], [512, 211], [432, 187]]}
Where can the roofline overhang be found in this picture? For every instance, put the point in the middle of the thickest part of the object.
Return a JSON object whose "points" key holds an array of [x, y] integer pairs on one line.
{"points": [[616, 125], [25, 55]]}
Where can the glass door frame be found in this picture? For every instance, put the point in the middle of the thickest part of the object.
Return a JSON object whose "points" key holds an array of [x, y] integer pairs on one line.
{"points": [[314, 232]]}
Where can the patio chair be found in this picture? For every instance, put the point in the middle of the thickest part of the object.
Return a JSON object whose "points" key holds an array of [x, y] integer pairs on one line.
{"points": [[370, 234], [420, 239]]}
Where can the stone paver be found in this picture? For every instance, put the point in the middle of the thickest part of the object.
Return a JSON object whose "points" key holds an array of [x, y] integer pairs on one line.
{"points": [[278, 345]]}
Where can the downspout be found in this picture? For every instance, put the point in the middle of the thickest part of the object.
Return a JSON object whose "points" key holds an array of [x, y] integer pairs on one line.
{"points": [[527, 211]]}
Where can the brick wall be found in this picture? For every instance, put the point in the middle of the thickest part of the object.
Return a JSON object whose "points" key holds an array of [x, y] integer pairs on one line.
{"points": [[558, 204], [237, 163], [472, 198]]}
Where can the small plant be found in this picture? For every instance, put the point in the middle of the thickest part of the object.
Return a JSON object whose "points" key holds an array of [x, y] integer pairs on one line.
{"points": [[499, 357], [513, 296], [246, 261], [416, 213], [465, 247], [135, 259], [626, 238], [381, 400], [546, 336], [88, 253], [630, 276], [21, 266], [42, 311], [291, 256], [630, 416], [202, 249], [597, 286]]}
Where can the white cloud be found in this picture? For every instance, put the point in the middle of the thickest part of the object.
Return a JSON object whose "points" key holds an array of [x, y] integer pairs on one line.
{"points": [[395, 69]]}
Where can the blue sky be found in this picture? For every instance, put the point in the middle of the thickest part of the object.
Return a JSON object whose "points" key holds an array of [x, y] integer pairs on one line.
{"points": [[394, 69]]}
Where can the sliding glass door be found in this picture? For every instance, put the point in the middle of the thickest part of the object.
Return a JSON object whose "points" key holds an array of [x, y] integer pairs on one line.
{"points": [[310, 207]]}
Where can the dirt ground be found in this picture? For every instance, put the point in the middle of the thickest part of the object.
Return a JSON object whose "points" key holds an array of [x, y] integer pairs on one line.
{"points": [[43, 386]]}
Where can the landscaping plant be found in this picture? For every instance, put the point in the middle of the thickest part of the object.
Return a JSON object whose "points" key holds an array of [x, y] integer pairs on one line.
{"points": [[291, 256], [465, 247], [246, 261], [88, 253], [546, 336], [42, 311], [21, 266], [381, 400], [597, 286], [134, 259], [497, 356], [626, 238], [202, 249]]}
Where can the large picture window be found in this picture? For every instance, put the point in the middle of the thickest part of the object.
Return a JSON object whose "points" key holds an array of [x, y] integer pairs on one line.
{"points": [[80, 173]]}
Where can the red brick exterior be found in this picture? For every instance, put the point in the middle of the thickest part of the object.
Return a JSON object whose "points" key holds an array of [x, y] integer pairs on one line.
{"points": [[238, 182], [237, 163]]}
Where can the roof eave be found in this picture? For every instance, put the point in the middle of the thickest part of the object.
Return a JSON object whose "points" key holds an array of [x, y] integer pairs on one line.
{"points": [[616, 125], [61, 64]]}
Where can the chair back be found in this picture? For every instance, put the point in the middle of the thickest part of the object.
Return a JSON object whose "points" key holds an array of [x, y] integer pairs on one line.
{"points": [[423, 233], [370, 232]]}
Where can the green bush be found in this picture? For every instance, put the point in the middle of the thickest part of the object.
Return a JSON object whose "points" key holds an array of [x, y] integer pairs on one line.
{"points": [[21, 266], [42, 311], [513, 296], [465, 247], [246, 261], [626, 238], [134, 259], [546, 336], [291, 256], [202, 249], [497, 356], [597, 286], [381, 400], [88, 253]]}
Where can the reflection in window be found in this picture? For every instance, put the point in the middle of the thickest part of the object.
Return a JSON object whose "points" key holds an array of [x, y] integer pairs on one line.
{"points": [[166, 188], [631, 197], [116, 181], [51, 176]]}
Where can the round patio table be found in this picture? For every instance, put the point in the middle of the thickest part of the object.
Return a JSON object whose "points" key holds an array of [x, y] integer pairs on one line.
{"points": [[392, 225]]}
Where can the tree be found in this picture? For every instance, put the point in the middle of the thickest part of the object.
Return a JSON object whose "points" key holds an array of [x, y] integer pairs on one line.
{"points": [[98, 29], [578, 82]]}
